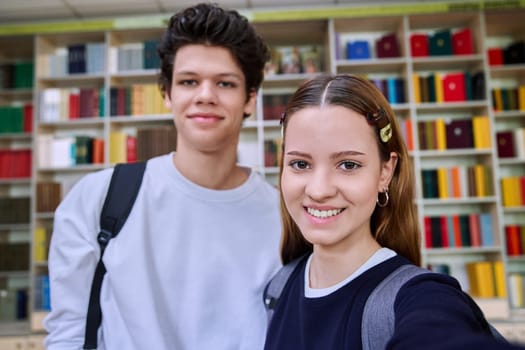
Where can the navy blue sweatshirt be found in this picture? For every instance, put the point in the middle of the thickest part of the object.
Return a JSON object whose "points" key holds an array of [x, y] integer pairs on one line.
{"points": [[431, 312]]}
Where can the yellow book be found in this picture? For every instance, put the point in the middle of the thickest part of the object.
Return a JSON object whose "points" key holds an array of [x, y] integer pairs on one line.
{"points": [[479, 180], [438, 84], [441, 134], [499, 279], [417, 88], [117, 147], [442, 176], [480, 279], [506, 191], [521, 97], [40, 244], [498, 99], [481, 131]]}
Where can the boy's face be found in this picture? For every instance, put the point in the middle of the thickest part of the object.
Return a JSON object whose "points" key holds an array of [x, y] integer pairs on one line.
{"points": [[208, 98], [332, 173]]}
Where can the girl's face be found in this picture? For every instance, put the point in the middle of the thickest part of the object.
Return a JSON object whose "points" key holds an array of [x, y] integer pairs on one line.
{"points": [[208, 98], [332, 174]]}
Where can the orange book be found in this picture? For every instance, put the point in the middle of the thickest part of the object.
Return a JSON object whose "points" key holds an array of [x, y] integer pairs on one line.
{"points": [[409, 134], [98, 151], [456, 182], [457, 231]]}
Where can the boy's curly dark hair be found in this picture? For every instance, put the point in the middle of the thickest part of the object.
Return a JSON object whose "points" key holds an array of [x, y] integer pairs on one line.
{"points": [[209, 24]]}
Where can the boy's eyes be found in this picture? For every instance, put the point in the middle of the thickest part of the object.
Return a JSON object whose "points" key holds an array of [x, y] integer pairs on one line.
{"points": [[193, 82]]}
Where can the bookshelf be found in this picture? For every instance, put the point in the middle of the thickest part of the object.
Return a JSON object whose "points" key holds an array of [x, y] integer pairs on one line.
{"points": [[16, 136], [452, 137]]}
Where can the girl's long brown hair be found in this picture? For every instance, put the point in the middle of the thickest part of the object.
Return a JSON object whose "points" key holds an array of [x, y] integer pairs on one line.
{"points": [[394, 226]]}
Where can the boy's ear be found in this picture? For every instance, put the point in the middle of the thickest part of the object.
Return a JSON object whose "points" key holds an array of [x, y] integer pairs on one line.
{"points": [[167, 101], [251, 104]]}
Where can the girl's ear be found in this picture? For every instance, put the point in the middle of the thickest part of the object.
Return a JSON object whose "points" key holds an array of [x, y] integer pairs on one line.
{"points": [[387, 171]]}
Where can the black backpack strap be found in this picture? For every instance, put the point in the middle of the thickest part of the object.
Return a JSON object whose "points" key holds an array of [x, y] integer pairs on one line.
{"points": [[123, 189], [275, 287]]}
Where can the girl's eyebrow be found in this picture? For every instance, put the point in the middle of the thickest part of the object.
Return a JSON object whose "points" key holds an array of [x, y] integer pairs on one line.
{"points": [[333, 156]]}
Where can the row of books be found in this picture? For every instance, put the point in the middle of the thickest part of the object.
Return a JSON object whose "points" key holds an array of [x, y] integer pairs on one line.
{"points": [[14, 210], [55, 151], [134, 56], [386, 46], [448, 87], [41, 293], [443, 134], [392, 88], [13, 304], [41, 239], [517, 289], [508, 99], [513, 191], [295, 60], [274, 105], [81, 58], [461, 230], [17, 75], [511, 143], [48, 196], [515, 238], [272, 152], [149, 142], [58, 104], [14, 256], [486, 279], [136, 100], [442, 42], [16, 119], [513, 53], [457, 182], [15, 163]]}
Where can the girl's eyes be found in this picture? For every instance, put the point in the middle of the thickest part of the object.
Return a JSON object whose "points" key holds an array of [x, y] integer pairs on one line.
{"points": [[349, 165], [299, 164], [345, 165]]}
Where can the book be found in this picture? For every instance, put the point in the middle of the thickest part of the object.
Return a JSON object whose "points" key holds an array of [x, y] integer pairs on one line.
{"points": [[459, 134], [440, 43], [419, 45], [495, 56], [357, 50], [462, 42], [454, 87], [505, 144], [387, 46], [481, 132], [481, 279]]}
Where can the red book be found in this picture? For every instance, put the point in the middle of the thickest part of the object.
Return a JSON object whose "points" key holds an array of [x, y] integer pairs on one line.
{"points": [[419, 45], [131, 149], [454, 87], [505, 144], [459, 134], [462, 42], [495, 56], [475, 232], [28, 118], [74, 105], [387, 46], [444, 232], [513, 238], [428, 232]]}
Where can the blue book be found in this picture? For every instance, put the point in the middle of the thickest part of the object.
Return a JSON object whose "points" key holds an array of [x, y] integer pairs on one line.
{"points": [[357, 50], [487, 234], [450, 225], [392, 91]]}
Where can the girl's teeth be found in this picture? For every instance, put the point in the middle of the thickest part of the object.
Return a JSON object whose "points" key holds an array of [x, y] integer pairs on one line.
{"points": [[323, 213]]}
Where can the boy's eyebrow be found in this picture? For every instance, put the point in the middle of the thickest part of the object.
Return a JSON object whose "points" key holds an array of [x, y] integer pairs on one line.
{"points": [[221, 75]]}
